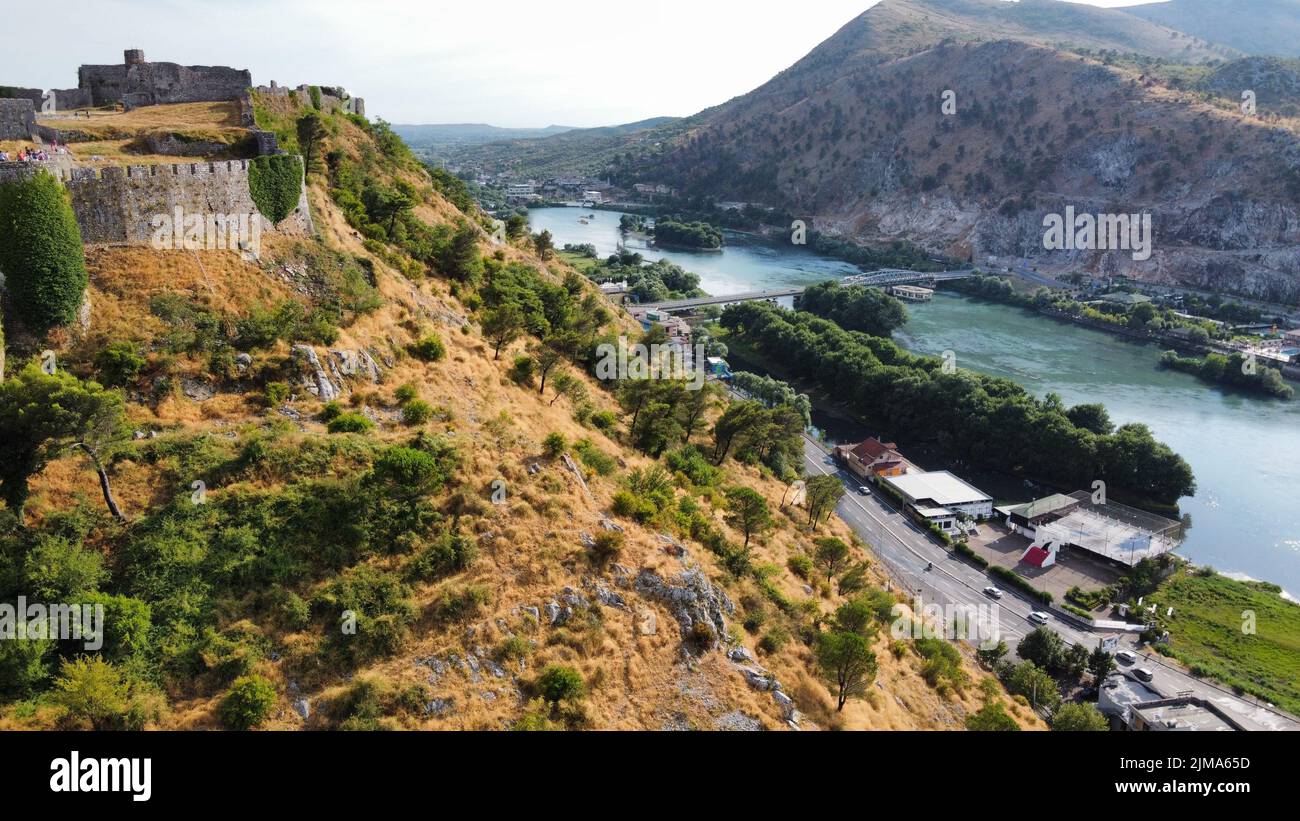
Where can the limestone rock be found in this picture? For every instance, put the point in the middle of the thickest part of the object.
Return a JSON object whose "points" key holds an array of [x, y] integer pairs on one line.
{"points": [[736, 721], [693, 599], [315, 379], [647, 623]]}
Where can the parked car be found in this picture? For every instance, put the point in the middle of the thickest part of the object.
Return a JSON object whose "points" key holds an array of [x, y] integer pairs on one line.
{"points": [[1143, 674], [993, 592], [1126, 657], [1039, 617]]}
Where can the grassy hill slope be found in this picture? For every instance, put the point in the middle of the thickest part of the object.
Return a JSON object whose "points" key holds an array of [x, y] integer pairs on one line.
{"points": [[342, 510]]}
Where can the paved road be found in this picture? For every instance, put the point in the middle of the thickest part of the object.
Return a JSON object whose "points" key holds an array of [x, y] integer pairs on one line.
{"points": [[906, 550]]}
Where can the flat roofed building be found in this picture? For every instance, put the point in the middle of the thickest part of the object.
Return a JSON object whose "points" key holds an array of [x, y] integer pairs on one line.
{"points": [[941, 498], [1185, 713], [1025, 519]]}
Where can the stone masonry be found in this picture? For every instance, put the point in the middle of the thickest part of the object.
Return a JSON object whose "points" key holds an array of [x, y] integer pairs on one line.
{"points": [[117, 205], [137, 82], [17, 119]]}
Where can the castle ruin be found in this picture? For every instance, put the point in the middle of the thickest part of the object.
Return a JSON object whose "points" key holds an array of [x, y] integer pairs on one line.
{"points": [[137, 82]]}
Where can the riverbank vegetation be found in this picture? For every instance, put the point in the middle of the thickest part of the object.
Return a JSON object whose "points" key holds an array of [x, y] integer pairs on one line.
{"points": [[982, 419], [855, 308], [1242, 633], [694, 235], [646, 281], [1234, 371], [1142, 317]]}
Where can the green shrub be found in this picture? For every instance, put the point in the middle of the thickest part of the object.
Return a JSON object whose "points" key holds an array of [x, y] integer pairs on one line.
{"points": [[405, 393], [514, 648], [559, 683], [93, 692], [800, 565], [40, 252], [330, 412], [554, 443], [964, 549], [604, 420], [609, 544], [277, 393], [429, 349], [275, 183], [450, 553], [523, 371], [594, 458], [118, 363], [774, 639], [417, 412], [1019, 582], [350, 423], [463, 603], [248, 703]]}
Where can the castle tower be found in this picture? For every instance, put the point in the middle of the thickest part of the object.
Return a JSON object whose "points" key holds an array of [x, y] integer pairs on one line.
{"points": [[135, 56]]}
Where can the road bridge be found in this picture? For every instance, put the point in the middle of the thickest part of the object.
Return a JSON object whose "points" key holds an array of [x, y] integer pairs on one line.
{"points": [[874, 279]]}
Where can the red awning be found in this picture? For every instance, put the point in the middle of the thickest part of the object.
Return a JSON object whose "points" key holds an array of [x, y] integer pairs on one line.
{"points": [[1036, 556]]}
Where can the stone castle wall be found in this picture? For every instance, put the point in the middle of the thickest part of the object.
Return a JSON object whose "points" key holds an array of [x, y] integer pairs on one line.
{"points": [[117, 205], [17, 119], [142, 84], [331, 97]]}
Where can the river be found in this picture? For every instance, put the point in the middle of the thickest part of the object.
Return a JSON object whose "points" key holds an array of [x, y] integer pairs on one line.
{"points": [[1245, 451]]}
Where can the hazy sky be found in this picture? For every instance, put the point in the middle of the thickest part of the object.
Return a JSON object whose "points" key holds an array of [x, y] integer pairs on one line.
{"points": [[504, 62]]}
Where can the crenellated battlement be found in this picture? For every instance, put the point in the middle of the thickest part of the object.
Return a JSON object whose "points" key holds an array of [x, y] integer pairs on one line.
{"points": [[135, 172]]}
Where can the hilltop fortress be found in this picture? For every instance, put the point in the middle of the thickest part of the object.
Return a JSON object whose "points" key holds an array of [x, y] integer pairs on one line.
{"points": [[116, 204], [136, 82]]}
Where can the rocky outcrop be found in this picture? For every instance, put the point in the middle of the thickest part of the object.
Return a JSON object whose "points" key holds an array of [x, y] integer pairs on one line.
{"points": [[332, 379], [693, 600]]}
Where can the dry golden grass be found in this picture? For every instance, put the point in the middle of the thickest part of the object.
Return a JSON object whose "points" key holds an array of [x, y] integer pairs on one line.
{"points": [[122, 152], [218, 120]]}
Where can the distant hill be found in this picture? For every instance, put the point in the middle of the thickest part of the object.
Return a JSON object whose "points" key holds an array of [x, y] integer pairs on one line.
{"points": [[1254, 26], [1275, 81], [418, 136], [578, 151]]}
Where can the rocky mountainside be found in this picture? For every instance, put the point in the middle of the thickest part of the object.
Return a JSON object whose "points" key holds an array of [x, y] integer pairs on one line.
{"points": [[1252, 26], [857, 137]]}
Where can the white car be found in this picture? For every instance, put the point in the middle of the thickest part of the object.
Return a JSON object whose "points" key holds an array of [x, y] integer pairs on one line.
{"points": [[993, 592], [1126, 657], [864, 490], [1039, 617], [1143, 674]]}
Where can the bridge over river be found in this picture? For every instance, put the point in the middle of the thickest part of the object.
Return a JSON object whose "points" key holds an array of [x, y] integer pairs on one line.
{"points": [[876, 279]]}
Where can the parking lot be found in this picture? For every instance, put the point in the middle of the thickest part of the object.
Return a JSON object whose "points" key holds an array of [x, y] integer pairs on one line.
{"points": [[1000, 546]]}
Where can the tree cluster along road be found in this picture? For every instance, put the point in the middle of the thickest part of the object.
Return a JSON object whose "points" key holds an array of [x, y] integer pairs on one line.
{"points": [[907, 550]]}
